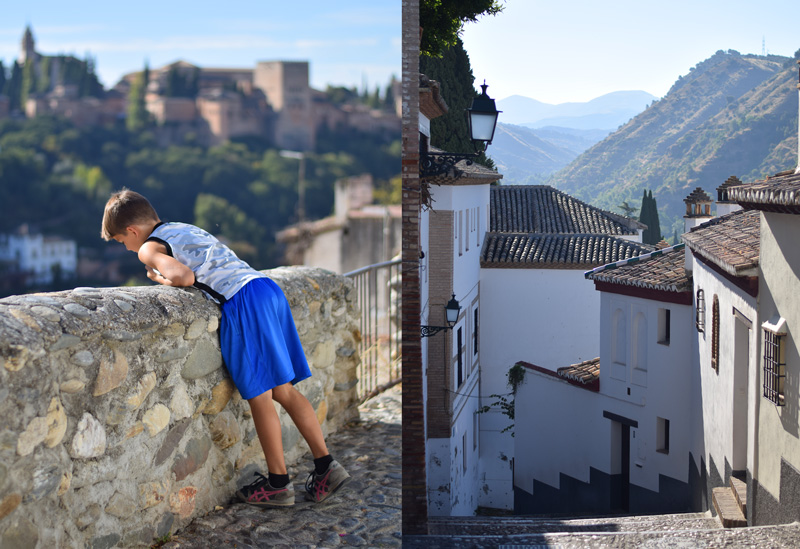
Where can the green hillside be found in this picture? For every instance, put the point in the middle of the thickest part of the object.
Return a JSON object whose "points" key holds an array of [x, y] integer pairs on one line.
{"points": [[731, 115]]}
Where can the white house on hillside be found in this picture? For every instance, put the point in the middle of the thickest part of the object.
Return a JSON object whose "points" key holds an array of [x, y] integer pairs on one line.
{"points": [[43, 259], [535, 303], [609, 444], [772, 475]]}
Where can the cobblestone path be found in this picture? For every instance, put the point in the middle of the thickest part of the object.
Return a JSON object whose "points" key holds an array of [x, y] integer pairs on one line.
{"points": [[365, 513]]}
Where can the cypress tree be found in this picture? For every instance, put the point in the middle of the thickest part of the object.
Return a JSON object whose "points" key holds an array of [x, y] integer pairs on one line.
{"points": [[656, 227], [2, 78]]}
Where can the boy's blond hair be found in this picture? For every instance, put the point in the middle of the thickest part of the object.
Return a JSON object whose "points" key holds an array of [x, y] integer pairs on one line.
{"points": [[123, 209]]}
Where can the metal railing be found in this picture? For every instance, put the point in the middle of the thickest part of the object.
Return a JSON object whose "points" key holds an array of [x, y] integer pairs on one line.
{"points": [[378, 290]]}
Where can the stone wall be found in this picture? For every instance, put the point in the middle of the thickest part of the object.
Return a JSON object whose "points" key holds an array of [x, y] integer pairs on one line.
{"points": [[120, 423]]}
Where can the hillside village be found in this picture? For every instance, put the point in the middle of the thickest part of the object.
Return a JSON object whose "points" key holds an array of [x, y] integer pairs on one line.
{"points": [[182, 104], [645, 379]]}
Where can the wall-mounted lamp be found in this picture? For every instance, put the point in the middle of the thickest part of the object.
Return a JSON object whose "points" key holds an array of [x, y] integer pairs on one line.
{"points": [[482, 121], [451, 312]]}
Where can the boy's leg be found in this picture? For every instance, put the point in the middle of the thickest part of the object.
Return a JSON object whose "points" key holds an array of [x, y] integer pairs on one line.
{"points": [[268, 427], [305, 419]]}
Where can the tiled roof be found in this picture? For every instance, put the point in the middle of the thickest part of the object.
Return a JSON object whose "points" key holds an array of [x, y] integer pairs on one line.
{"points": [[544, 209], [586, 372], [780, 193], [554, 251], [730, 241], [660, 270]]}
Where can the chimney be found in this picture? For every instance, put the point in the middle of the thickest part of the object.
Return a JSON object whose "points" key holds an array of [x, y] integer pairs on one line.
{"points": [[724, 204], [798, 126], [698, 210]]}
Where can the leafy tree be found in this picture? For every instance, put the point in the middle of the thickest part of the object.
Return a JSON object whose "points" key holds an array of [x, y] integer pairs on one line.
{"points": [[138, 117], [28, 82], [2, 77], [452, 70], [443, 20], [13, 86]]}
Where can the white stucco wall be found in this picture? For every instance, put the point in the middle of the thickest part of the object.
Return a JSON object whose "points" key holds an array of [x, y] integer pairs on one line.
{"points": [[779, 294], [575, 435], [718, 392], [663, 390], [547, 317], [453, 482]]}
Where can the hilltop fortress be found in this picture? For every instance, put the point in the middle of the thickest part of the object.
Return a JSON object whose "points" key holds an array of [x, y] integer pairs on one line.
{"points": [[273, 101]]}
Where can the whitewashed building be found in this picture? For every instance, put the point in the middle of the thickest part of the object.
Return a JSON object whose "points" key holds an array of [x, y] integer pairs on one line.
{"points": [[43, 259], [535, 303], [452, 226], [608, 444]]}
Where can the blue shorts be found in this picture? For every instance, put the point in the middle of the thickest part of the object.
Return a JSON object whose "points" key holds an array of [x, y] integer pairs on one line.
{"points": [[259, 340]]}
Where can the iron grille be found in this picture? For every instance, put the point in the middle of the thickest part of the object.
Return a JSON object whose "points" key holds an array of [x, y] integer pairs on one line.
{"points": [[774, 365]]}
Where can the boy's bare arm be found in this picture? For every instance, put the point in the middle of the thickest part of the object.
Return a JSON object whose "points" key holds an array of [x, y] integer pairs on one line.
{"points": [[163, 268]]}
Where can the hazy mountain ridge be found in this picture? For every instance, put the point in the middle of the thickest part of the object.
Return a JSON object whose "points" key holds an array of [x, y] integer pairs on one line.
{"points": [[731, 115], [610, 110]]}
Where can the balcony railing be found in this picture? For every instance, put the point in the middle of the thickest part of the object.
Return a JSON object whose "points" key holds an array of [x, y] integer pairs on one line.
{"points": [[378, 291]]}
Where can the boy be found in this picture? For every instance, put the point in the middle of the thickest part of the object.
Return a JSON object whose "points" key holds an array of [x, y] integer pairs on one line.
{"points": [[258, 337]]}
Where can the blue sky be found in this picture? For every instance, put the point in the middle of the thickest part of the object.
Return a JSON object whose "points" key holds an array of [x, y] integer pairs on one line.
{"points": [[576, 50], [348, 42]]}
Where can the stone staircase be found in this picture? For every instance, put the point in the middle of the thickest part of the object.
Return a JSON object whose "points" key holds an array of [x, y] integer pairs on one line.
{"points": [[730, 503], [688, 531]]}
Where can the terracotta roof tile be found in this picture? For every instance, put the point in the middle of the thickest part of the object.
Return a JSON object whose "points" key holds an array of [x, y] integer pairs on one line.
{"points": [[662, 270], [731, 241], [780, 193], [544, 209], [554, 251], [586, 372]]}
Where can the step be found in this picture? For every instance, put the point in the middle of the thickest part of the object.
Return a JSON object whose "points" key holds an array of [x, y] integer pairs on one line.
{"points": [[739, 488], [730, 515]]}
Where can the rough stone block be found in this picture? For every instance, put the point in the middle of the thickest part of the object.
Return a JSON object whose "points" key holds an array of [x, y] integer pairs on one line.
{"points": [[182, 502], [111, 374], [204, 359], [156, 419], [152, 493], [143, 388], [220, 396], [225, 430], [56, 423], [89, 440]]}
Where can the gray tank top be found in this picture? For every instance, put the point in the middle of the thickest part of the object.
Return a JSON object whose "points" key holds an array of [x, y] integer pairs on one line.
{"points": [[217, 270]]}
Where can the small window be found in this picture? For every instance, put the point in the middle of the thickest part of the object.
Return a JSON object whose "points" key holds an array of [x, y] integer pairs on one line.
{"points": [[464, 451], [460, 232], [475, 331], [466, 240], [715, 334], [662, 435], [700, 311], [460, 356], [663, 326], [774, 360]]}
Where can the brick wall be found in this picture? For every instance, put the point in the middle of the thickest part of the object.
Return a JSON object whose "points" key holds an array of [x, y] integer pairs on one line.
{"points": [[440, 351], [415, 503]]}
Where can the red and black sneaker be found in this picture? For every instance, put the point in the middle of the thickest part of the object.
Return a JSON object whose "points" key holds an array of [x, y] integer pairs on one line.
{"points": [[262, 494]]}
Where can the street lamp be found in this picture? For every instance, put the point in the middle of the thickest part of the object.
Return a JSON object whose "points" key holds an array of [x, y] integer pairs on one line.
{"points": [[451, 312], [482, 121]]}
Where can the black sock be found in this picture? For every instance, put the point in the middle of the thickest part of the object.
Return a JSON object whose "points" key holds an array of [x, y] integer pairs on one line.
{"points": [[321, 464], [278, 481]]}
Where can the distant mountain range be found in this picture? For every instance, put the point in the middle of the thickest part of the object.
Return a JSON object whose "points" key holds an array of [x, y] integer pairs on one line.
{"points": [[606, 112], [535, 139], [731, 115]]}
